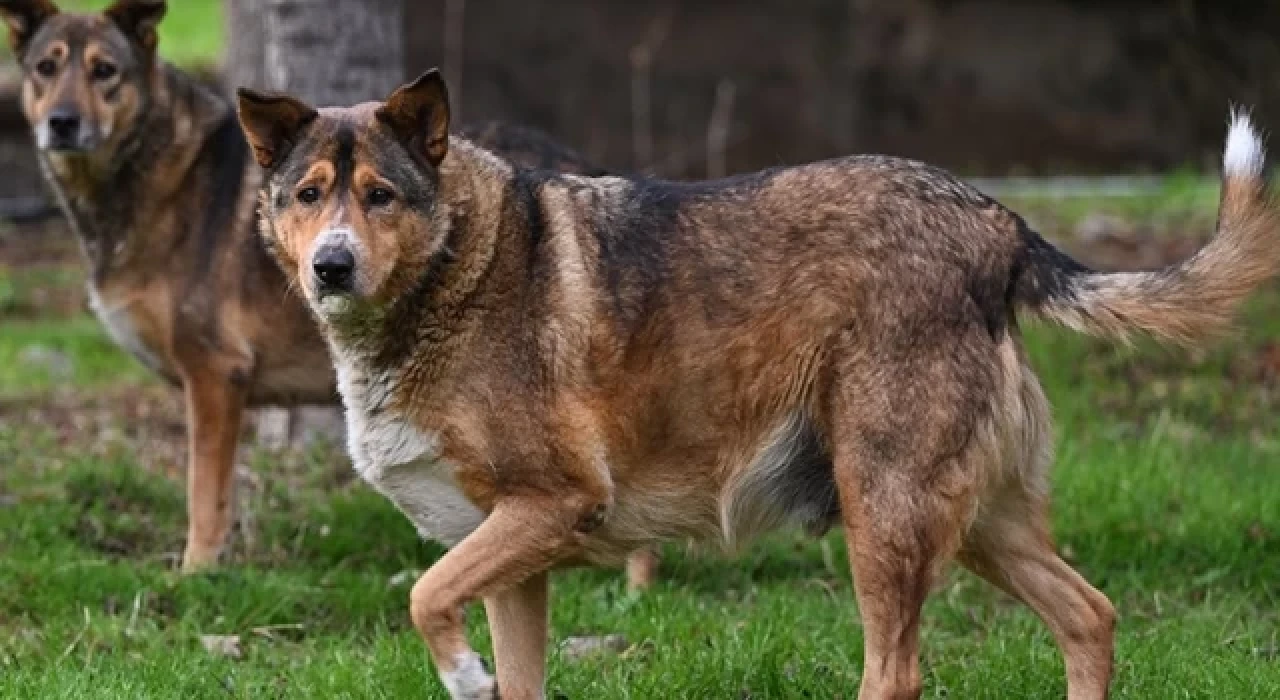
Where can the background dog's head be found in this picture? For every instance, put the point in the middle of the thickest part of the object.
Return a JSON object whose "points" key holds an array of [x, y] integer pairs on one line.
{"points": [[352, 205], [85, 76]]}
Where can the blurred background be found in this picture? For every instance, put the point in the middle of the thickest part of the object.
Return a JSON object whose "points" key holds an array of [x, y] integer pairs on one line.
{"points": [[707, 87], [1110, 113], [981, 86]]}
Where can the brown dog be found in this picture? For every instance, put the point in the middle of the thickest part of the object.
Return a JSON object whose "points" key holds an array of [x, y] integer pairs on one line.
{"points": [[545, 370], [154, 174]]}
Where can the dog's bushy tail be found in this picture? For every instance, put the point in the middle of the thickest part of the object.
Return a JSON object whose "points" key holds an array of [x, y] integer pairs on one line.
{"points": [[1183, 303]]}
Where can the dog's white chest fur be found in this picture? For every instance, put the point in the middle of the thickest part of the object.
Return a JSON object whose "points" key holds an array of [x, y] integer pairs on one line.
{"points": [[400, 460], [121, 326]]}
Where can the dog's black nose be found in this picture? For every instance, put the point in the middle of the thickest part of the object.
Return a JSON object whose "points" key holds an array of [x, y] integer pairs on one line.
{"points": [[64, 125], [334, 265]]}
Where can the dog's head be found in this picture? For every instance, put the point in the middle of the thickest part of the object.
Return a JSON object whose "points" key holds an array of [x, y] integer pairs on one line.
{"points": [[85, 76], [352, 206]]}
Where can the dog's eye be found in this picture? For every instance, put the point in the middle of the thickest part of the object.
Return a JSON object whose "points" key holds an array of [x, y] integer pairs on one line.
{"points": [[309, 195], [380, 197], [47, 67], [103, 70]]}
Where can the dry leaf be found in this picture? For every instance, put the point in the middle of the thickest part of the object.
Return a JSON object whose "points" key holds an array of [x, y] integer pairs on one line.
{"points": [[578, 648], [222, 645]]}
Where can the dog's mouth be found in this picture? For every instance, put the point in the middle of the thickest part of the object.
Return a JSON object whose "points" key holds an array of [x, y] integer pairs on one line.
{"points": [[68, 147], [324, 291], [333, 298], [69, 152], [327, 292], [334, 303], [68, 139], [71, 147]]}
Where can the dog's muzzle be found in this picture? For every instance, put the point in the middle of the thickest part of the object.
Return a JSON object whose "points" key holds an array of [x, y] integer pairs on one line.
{"points": [[334, 266], [64, 131]]}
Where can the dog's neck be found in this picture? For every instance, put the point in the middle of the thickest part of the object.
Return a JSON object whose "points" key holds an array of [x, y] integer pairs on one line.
{"points": [[423, 328], [112, 196]]}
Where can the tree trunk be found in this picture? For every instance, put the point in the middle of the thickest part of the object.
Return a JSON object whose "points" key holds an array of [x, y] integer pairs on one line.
{"points": [[245, 60], [327, 52], [334, 52]]}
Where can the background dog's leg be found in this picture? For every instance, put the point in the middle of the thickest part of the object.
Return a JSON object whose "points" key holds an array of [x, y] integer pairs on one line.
{"points": [[518, 624], [1011, 547], [214, 407], [642, 569], [520, 539]]}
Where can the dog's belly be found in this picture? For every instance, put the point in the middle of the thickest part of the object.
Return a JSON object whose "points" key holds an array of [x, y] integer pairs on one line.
{"points": [[786, 480], [789, 480]]}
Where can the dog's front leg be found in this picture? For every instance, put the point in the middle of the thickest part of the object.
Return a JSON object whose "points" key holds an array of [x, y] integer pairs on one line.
{"points": [[518, 625], [214, 408], [503, 561]]}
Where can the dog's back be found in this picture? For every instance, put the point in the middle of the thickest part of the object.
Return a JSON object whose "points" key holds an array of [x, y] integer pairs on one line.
{"points": [[529, 148]]}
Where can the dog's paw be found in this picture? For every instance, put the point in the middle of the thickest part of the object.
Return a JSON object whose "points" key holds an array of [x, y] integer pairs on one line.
{"points": [[469, 680], [197, 559]]}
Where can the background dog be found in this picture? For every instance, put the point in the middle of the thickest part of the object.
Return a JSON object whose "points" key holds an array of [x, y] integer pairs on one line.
{"points": [[544, 370], [153, 172]]}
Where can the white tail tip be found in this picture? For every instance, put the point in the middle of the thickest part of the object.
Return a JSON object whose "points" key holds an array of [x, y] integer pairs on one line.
{"points": [[1243, 155]]}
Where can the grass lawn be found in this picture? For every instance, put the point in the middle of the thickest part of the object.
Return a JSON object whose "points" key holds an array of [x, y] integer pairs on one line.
{"points": [[1167, 498]]}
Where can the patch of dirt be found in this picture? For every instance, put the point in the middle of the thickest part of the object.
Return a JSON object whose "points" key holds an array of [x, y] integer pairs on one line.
{"points": [[120, 512], [140, 513], [48, 241], [1116, 245], [145, 419], [42, 292], [1227, 388], [41, 271]]}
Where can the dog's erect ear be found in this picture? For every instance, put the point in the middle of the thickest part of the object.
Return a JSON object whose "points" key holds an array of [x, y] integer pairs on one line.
{"points": [[138, 20], [271, 123], [24, 17], [418, 114]]}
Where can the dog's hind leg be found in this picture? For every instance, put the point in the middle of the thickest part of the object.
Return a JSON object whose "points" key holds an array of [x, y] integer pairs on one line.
{"points": [[1011, 547], [902, 426], [898, 539], [1009, 543], [214, 408]]}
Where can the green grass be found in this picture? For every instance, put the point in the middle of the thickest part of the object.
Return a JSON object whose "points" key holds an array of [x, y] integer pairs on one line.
{"points": [[40, 355], [1167, 497], [190, 35]]}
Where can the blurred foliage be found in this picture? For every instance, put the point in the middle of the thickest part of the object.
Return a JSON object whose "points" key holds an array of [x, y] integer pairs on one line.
{"points": [[191, 34]]}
